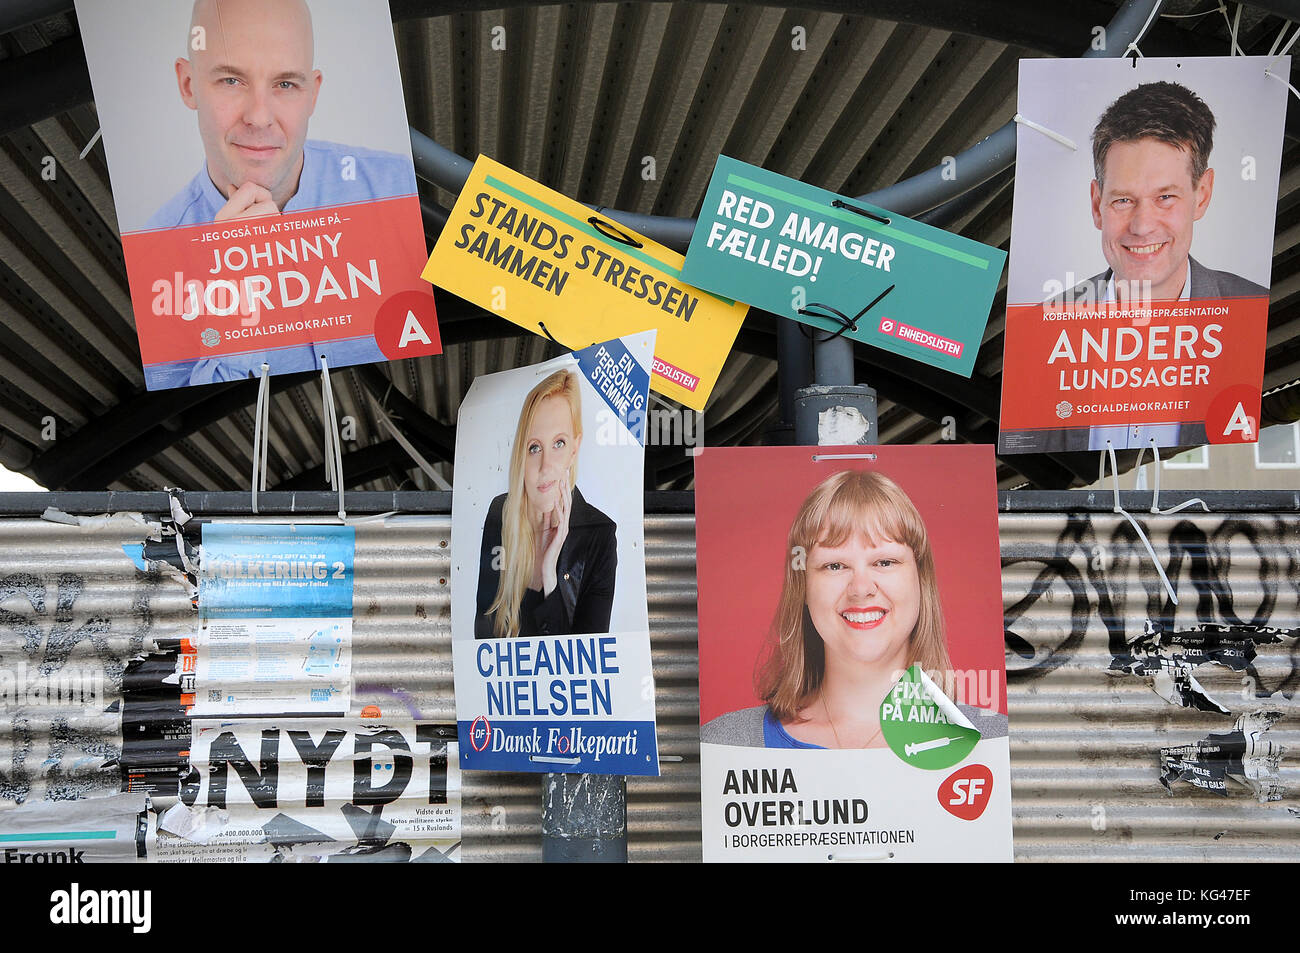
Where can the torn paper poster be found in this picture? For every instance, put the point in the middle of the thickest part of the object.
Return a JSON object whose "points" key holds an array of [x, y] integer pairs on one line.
{"points": [[299, 790], [157, 689], [87, 830], [275, 614], [1167, 657], [1243, 754]]}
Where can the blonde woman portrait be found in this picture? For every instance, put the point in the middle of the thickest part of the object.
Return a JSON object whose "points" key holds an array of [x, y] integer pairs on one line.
{"points": [[859, 605], [548, 557]]}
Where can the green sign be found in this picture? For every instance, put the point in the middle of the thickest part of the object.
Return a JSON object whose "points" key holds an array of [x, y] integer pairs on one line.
{"points": [[843, 266], [921, 726]]}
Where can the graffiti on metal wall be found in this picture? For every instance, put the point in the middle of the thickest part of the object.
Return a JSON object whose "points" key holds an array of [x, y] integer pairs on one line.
{"points": [[61, 667], [1237, 588], [1239, 571]]}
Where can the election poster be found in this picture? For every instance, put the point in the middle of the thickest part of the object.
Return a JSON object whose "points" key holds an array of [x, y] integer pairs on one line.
{"points": [[275, 619], [853, 700], [837, 263], [261, 168], [552, 665], [1141, 250], [556, 268], [91, 830], [313, 791]]}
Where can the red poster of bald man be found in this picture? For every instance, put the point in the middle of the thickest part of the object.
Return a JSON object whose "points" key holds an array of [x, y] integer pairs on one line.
{"points": [[261, 168], [1141, 249]]}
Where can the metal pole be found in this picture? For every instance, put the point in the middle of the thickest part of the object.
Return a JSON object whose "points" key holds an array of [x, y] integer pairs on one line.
{"points": [[584, 819]]}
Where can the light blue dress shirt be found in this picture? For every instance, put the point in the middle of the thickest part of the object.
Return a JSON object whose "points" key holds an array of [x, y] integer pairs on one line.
{"points": [[332, 174], [1133, 436]]}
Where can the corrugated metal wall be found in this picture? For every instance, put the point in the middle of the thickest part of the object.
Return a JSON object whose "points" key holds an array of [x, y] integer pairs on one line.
{"points": [[1085, 741]]}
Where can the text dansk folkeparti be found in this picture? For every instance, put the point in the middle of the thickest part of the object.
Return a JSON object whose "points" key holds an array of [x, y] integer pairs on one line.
{"points": [[1129, 344], [567, 742], [798, 228], [542, 236], [517, 671], [268, 276]]}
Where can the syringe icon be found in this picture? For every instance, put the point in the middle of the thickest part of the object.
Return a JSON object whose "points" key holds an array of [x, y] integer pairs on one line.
{"points": [[917, 747]]}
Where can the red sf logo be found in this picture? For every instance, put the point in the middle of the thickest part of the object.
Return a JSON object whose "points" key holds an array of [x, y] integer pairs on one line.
{"points": [[479, 733], [965, 793]]}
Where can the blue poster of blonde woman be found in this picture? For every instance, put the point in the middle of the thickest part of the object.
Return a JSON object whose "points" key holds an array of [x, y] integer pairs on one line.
{"points": [[550, 634]]}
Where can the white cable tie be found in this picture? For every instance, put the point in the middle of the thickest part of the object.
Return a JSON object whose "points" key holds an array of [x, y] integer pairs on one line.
{"points": [[1281, 80], [817, 457], [860, 856], [1155, 496], [1233, 48], [438, 480], [328, 461], [1272, 50], [1155, 10], [1155, 561], [333, 445], [1133, 48], [1063, 140], [547, 759], [261, 424], [1289, 43]]}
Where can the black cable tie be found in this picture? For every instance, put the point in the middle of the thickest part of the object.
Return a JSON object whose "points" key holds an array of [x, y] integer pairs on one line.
{"points": [[846, 323], [839, 203], [614, 233], [542, 325]]}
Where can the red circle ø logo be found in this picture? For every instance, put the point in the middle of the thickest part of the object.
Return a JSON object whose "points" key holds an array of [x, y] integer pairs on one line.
{"points": [[887, 326], [479, 733]]}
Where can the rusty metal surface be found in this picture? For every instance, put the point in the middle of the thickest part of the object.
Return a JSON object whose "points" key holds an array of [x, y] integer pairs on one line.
{"points": [[1076, 584]]}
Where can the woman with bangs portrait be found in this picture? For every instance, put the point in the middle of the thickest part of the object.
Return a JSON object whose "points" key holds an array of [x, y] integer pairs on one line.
{"points": [[859, 605], [548, 557]]}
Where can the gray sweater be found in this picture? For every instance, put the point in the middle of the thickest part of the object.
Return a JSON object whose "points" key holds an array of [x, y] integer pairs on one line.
{"points": [[745, 727]]}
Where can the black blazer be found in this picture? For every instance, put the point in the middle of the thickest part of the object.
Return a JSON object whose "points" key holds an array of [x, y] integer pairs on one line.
{"points": [[581, 602]]}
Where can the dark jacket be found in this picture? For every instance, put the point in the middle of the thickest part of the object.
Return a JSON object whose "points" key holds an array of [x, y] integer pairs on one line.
{"points": [[1206, 283], [581, 602]]}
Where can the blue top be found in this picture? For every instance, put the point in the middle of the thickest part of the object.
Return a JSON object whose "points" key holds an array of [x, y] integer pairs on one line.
{"points": [[328, 178], [775, 735], [332, 174]]}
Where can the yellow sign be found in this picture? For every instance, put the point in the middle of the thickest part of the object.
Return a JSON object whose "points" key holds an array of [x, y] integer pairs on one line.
{"points": [[552, 266]]}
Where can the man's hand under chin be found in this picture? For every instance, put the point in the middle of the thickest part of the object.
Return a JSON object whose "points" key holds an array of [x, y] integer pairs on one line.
{"points": [[247, 201]]}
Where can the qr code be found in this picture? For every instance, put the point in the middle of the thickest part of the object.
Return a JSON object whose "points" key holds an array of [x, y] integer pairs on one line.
{"points": [[214, 695]]}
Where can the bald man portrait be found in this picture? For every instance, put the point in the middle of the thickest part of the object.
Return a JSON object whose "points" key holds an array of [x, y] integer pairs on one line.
{"points": [[250, 76]]}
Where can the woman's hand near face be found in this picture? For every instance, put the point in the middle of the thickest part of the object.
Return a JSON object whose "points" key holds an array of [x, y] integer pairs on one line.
{"points": [[555, 523]]}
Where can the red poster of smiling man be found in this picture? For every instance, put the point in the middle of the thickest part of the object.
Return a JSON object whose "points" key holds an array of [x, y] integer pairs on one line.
{"points": [[1149, 327], [287, 231], [852, 670]]}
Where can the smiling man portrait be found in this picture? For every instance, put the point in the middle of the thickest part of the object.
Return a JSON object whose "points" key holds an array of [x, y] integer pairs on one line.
{"points": [[250, 76], [1151, 150]]}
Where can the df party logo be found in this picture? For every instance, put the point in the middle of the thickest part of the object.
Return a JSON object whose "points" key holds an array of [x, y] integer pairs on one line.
{"points": [[921, 725]]}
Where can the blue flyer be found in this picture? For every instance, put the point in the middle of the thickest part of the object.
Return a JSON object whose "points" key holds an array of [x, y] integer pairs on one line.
{"points": [[275, 619]]}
